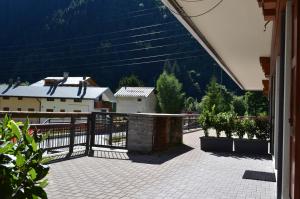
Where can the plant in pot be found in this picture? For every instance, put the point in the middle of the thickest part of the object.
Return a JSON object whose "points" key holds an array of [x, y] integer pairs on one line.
{"points": [[250, 145], [205, 122], [228, 125], [218, 144], [239, 128]]}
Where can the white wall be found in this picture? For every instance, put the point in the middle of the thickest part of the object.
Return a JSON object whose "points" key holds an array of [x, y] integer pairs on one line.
{"points": [[69, 105], [132, 105]]}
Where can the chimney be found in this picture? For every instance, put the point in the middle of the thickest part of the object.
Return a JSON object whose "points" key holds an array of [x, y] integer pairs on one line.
{"points": [[66, 75], [10, 82]]}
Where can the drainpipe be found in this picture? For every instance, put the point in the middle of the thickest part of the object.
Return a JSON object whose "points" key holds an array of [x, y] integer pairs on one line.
{"points": [[286, 108], [39, 120]]}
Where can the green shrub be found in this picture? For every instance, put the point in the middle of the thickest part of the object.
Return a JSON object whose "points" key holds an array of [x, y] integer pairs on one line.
{"points": [[21, 170], [218, 123], [249, 127], [228, 125], [205, 121], [239, 128], [263, 128]]}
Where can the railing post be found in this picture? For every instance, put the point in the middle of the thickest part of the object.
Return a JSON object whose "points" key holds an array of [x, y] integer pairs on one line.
{"points": [[72, 135], [110, 129], [92, 133], [88, 134], [188, 124]]}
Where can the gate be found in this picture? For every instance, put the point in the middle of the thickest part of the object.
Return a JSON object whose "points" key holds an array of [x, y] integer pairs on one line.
{"points": [[109, 130]]}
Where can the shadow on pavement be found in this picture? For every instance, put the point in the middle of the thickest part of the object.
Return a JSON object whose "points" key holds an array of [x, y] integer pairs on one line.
{"points": [[151, 158], [160, 157], [242, 156]]}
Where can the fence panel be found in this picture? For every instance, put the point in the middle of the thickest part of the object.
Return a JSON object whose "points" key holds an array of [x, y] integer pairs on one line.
{"points": [[109, 130]]}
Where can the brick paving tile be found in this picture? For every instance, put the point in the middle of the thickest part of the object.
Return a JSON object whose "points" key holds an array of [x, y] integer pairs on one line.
{"points": [[182, 172]]}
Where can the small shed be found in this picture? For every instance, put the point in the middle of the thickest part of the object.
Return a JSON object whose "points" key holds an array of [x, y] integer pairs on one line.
{"points": [[136, 100]]}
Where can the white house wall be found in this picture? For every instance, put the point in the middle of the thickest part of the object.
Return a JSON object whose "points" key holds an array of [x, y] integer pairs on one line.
{"points": [[132, 105], [13, 103]]}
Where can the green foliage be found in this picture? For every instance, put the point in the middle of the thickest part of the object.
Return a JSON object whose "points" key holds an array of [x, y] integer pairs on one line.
{"points": [[191, 105], [263, 128], [218, 96], [170, 95], [130, 81], [249, 127], [206, 121], [257, 103], [229, 122], [219, 123], [239, 105], [21, 170], [239, 128]]}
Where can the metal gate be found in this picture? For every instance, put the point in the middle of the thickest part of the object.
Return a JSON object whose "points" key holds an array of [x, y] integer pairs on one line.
{"points": [[109, 130]]}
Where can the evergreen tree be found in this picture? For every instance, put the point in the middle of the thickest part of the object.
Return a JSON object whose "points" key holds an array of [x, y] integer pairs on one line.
{"points": [[239, 105], [257, 103], [170, 95], [130, 81], [216, 96]]}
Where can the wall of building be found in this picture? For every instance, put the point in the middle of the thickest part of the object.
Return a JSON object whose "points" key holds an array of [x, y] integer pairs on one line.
{"points": [[20, 104], [133, 105], [67, 106]]}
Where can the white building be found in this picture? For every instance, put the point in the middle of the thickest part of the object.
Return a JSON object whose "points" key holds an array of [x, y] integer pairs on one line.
{"points": [[66, 81], [59, 99], [136, 100]]}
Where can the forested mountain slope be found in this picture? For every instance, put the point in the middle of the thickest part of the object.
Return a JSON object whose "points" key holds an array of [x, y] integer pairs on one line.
{"points": [[104, 39]]}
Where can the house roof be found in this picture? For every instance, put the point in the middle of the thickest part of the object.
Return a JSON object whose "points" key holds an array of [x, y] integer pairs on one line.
{"points": [[52, 92], [134, 92], [70, 81], [233, 32]]}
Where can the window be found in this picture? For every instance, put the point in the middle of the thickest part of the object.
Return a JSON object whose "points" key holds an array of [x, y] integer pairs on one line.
{"points": [[62, 100], [31, 109], [20, 98], [77, 100], [77, 111], [49, 110], [19, 109], [139, 99], [5, 109], [50, 99], [5, 97], [62, 110]]}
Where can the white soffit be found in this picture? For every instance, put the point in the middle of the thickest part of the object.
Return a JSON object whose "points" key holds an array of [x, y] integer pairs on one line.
{"points": [[232, 33]]}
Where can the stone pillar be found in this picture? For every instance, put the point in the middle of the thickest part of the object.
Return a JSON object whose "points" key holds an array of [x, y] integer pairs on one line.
{"points": [[140, 133]]}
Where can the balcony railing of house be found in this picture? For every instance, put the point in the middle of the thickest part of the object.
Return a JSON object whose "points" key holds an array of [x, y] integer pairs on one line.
{"points": [[190, 122], [73, 134]]}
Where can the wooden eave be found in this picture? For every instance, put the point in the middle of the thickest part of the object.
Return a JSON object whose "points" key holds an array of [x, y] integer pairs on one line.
{"points": [[269, 9], [265, 64], [265, 83]]}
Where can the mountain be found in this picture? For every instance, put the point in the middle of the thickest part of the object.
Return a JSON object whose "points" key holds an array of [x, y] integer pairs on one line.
{"points": [[104, 39]]}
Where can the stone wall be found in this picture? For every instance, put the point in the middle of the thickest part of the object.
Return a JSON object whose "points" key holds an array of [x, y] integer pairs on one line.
{"points": [[140, 133], [153, 132]]}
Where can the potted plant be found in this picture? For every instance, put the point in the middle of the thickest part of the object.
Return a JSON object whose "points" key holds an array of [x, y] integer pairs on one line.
{"points": [[218, 144], [253, 129]]}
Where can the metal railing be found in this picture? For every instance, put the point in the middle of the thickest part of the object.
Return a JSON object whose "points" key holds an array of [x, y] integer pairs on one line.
{"points": [[190, 122], [62, 137], [109, 130]]}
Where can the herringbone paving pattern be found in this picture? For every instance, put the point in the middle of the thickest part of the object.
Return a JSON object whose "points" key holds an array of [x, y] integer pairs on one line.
{"points": [[183, 172]]}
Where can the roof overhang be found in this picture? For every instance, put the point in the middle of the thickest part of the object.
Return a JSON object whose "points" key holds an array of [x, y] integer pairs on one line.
{"points": [[233, 33]]}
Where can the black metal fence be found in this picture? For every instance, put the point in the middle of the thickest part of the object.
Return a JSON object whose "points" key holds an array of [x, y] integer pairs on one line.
{"points": [[109, 130], [68, 136], [190, 122]]}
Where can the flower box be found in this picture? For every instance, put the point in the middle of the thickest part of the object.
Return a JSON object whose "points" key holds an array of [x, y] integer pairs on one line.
{"points": [[215, 144], [251, 146]]}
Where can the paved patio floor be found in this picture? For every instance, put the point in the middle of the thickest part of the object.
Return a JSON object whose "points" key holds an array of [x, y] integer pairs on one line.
{"points": [[184, 172]]}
